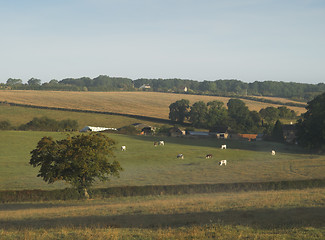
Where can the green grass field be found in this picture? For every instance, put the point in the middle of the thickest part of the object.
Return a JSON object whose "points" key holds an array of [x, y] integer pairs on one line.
{"points": [[145, 164], [13, 115]]}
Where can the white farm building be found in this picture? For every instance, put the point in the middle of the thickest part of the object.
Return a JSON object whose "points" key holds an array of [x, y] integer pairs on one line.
{"points": [[96, 129]]}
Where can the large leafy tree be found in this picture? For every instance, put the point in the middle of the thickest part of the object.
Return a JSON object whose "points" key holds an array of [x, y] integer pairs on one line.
{"points": [[34, 82], [241, 119], [239, 114], [198, 114], [217, 115], [277, 132], [78, 160], [14, 81], [178, 111], [311, 128], [270, 114]]}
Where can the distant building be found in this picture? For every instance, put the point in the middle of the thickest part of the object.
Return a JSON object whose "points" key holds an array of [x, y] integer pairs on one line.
{"points": [[145, 86], [96, 129], [198, 134], [176, 132], [220, 132], [248, 136], [289, 132], [144, 128]]}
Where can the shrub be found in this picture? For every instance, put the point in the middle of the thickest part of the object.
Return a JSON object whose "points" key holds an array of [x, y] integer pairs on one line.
{"points": [[5, 125], [47, 124]]}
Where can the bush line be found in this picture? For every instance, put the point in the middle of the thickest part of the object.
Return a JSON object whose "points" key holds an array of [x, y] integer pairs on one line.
{"points": [[72, 194]]}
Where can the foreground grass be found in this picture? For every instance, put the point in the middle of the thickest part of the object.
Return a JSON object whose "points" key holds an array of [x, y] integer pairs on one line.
{"points": [[145, 164], [290, 214]]}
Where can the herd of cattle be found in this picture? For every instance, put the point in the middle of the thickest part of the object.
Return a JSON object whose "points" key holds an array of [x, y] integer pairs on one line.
{"points": [[181, 156]]}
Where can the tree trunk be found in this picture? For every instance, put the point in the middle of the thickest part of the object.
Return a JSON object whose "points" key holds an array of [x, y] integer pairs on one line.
{"points": [[85, 193]]}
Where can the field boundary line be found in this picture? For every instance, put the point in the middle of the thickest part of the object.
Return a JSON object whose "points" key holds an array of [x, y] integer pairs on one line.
{"points": [[147, 190], [141, 117]]}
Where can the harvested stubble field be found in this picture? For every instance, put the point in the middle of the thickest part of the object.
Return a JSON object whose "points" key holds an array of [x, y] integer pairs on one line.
{"points": [[151, 104], [288, 214], [283, 100]]}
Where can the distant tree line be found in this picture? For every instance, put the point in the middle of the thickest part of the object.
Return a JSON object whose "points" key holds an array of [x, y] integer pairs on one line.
{"points": [[232, 87], [237, 116], [42, 124]]}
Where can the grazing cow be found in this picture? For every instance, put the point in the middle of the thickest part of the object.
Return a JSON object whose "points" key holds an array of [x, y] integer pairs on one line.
{"points": [[223, 146], [273, 152], [181, 156], [155, 144], [123, 148], [162, 143], [223, 162], [208, 156]]}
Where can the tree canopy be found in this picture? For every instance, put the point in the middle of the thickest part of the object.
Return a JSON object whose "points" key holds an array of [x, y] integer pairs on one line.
{"points": [[78, 160], [178, 111], [213, 115], [311, 127]]}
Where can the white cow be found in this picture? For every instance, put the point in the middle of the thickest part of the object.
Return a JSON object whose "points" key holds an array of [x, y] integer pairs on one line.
{"points": [[273, 152], [208, 156], [223, 146], [123, 148], [161, 143], [181, 156], [223, 162]]}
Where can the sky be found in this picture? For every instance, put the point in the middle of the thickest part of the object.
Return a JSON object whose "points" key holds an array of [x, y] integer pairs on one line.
{"points": [[248, 40]]}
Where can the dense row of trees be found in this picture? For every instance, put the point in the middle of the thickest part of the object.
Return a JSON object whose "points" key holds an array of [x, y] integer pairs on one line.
{"points": [[237, 116], [298, 91], [213, 115], [100, 83], [43, 124]]}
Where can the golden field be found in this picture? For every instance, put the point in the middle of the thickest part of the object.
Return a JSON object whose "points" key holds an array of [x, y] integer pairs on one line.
{"points": [[287, 214], [152, 104]]}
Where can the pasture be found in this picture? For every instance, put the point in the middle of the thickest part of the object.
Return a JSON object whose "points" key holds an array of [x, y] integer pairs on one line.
{"points": [[145, 164], [282, 214], [151, 104], [13, 115]]}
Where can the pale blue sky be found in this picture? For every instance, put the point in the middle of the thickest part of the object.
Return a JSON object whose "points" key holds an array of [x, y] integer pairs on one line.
{"points": [[248, 40]]}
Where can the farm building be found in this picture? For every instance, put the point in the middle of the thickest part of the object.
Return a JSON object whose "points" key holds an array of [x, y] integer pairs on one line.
{"points": [[248, 136], [198, 134], [145, 86], [289, 132], [176, 132], [144, 128], [220, 132], [96, 129]]}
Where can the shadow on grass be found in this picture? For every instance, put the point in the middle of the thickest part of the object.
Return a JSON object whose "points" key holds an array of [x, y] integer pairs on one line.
{"points": [[285, 218], [231, 143]]}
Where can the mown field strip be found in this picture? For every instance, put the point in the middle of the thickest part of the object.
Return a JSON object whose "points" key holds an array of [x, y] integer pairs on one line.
{"points": [[150, 104], [289, 214]]}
